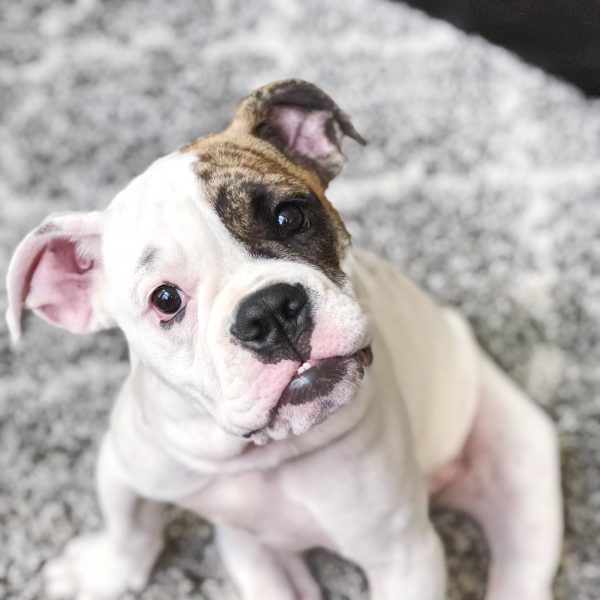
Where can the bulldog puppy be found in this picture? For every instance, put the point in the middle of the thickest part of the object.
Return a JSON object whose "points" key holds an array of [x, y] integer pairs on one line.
{"points": [[293, 390]]}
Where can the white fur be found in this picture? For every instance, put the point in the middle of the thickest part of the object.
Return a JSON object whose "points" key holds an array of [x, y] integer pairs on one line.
{"points": [[356, 482]]}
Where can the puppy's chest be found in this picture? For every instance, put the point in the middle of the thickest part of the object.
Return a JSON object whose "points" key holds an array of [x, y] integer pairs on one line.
{"points": [[259, 503]]}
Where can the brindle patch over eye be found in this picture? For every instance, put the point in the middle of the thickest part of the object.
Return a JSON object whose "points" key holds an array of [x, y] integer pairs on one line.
{"points": [[246, 181], [257, 227]]}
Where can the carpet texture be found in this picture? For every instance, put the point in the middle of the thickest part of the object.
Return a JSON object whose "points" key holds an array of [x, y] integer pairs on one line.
{"points": [[480, 181]]}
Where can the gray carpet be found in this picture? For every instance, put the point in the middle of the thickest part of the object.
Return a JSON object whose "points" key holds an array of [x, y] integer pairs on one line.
{"points": [[481, 181]]}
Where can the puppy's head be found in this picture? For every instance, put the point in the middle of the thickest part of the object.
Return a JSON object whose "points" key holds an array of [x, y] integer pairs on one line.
{"points": [[223, 264]]}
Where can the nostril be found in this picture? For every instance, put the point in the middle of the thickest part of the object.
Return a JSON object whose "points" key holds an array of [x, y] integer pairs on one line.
{"points": [[292, 306], [255, 329], [249, 330]]}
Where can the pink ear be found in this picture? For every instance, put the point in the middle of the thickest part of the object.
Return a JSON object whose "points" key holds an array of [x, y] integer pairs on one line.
{"points": [[305, 133], [300, 120], [56, 272]]}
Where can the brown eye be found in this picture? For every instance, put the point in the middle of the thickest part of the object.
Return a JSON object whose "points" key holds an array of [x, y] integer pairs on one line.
{"points": [[290, 219], [167, 299]]}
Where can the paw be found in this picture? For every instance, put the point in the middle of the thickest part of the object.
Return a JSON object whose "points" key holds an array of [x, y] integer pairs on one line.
{"points": [[92, 567]]}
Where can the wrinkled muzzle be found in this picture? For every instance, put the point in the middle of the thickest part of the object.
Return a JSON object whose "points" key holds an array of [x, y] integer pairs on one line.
{"points": [[296, 351]]}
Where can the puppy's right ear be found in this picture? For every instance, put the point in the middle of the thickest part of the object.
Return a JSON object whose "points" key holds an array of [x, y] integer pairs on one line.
{"points": [[56, 271]]}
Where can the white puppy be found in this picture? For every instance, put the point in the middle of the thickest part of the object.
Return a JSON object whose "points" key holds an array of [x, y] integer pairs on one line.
{"points": [[295, 391]]}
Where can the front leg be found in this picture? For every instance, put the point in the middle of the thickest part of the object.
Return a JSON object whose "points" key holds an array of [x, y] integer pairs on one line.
{"points": [[368, 493], [262, 573], [396, 545], [412, 568], [104, 565]]}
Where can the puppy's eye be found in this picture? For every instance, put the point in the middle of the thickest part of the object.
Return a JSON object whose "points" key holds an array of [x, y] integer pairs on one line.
{"points": [[167, 299], [290, 218]]}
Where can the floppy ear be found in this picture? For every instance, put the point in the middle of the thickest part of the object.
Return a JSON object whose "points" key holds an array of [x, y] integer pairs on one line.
{"points": [[57, 272], [301, 121]]}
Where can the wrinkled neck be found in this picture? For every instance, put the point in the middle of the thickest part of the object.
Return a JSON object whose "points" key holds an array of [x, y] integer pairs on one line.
{"points": [[191, 435], [183, 427]]}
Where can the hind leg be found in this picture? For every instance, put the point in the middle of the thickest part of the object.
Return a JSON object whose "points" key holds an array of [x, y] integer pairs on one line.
{"points": [[508, 480]]}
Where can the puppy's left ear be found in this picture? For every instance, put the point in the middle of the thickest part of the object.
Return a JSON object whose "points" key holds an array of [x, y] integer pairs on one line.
{"points": [[302, 121], [56, 271]]}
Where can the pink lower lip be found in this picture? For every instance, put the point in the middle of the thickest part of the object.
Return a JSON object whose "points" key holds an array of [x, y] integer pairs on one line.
{"points": [[364, 356], [321, 376]]}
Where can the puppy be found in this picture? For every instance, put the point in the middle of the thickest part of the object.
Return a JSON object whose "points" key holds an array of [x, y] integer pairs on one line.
{"points": [[293, 390]]}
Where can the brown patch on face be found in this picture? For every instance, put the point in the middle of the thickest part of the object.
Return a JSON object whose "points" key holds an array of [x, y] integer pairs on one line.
{"points": [[247, 179]]}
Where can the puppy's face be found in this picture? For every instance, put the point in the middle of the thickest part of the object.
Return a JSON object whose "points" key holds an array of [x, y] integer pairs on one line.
{"points": [[224, 265]]}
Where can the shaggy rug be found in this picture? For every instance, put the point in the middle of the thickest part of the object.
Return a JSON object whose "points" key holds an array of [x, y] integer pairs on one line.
{"points": [[480, 181]]}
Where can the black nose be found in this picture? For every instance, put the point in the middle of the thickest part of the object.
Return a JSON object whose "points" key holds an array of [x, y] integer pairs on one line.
{"points": [[275, 323]]}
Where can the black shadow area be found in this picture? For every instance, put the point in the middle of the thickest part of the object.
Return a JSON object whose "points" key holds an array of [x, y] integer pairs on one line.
{"points": [[561, 37]]}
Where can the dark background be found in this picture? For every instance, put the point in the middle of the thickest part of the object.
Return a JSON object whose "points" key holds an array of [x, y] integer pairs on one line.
{"points": [[561, 37]]}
